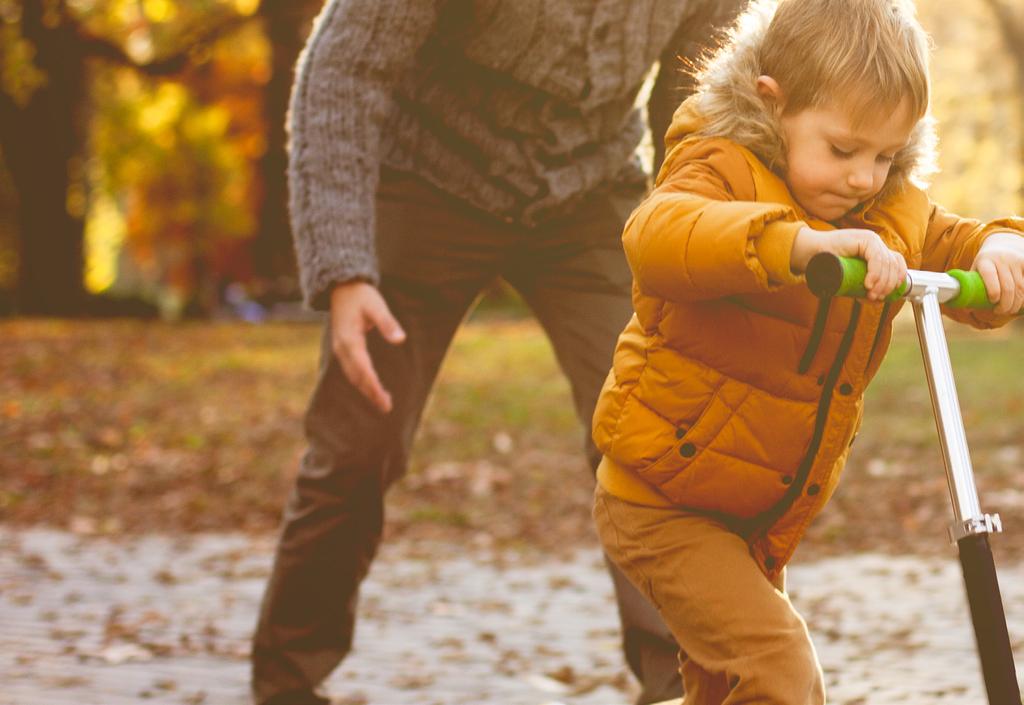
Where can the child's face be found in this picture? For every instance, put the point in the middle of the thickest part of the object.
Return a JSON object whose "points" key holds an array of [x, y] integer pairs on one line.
{"points": [[831, 165]]}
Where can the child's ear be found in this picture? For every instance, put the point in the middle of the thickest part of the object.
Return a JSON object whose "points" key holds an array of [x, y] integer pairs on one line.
{"points": [[770, 91]]}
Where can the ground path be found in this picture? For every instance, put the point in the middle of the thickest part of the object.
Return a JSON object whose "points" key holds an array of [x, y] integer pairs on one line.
{"points": [[152, 619]]}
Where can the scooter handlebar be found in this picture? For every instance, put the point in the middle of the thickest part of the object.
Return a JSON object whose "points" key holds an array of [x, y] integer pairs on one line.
{"points": [[831, 275]]}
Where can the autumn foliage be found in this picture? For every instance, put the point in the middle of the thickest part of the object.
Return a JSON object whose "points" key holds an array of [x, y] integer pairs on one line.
{"points": [[144, 147]]}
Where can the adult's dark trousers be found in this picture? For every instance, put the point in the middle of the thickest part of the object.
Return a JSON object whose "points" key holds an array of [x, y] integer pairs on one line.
{"points": [[436, 256]]}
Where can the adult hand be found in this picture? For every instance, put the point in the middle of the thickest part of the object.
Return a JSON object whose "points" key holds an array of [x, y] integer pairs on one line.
{"points": [[886, 268], [1000, 262], [356, 309]]}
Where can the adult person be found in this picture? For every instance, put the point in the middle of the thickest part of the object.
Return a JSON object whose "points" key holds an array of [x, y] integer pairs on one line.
{"points": [[436, 145]]}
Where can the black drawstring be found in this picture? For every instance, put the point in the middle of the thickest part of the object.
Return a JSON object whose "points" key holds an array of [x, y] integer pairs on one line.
{"points": [[763, 521], [816, 332], [878, 333]]}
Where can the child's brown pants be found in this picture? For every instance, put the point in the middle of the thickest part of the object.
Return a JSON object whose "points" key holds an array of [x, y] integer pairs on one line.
{"points": [[741, 640]]}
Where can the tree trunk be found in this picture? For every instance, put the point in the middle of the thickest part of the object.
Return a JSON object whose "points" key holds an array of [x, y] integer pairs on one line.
{"points": [[41, 141], [286, 23]]}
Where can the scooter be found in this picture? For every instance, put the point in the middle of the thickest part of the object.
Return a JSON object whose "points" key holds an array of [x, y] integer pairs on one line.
{"points": [[828, 275]]}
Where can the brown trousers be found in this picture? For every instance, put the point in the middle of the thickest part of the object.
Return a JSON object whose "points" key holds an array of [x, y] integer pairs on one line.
{"points": [[741, 640], [436, 256]]}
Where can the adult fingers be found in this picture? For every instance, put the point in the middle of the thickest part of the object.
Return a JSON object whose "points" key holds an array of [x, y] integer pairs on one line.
{"points": [[358, 367], [380, 317], [356, 309]]}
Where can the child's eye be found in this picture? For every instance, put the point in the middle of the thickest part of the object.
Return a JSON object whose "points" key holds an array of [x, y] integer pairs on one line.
{"points": [[836, 152]]}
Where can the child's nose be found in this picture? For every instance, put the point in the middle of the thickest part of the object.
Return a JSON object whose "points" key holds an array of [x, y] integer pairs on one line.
{"points": [[861, 180]]}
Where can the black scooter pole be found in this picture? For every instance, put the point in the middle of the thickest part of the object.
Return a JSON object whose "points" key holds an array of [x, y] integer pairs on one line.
{"points": [[989, 620]]}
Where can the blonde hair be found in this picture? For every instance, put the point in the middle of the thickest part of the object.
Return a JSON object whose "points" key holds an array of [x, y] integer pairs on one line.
{"points": [[829, 59], [867, 55]]}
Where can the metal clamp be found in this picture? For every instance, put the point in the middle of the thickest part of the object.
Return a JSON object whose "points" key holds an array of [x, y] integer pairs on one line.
{"points": [[985, 524]]}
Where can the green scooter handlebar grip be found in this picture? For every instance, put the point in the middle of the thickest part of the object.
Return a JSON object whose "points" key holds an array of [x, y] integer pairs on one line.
{"points": [[831, 275], [972, 290]]}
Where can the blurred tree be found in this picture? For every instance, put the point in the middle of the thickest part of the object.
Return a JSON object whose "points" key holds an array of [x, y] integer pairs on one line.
{"points": [[977, 104], [173, 172], [8, 238], [195, 168], [287, 25], [40, 134], [1010, 20], [43, 105]]}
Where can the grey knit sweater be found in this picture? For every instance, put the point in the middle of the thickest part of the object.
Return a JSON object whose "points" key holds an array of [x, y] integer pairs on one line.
{"points": [[518, 107]]}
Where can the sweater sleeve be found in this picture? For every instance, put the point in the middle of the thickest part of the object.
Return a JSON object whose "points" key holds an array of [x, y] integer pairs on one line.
{"points": [[691, 239], [342, 95], [952, 242]]}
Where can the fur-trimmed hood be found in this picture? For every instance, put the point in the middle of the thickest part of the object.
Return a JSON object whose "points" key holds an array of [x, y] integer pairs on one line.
{"points": [[727, 105]]}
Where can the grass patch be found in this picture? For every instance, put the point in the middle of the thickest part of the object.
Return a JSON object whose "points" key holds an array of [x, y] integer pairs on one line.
{"points": [[130, 426]]}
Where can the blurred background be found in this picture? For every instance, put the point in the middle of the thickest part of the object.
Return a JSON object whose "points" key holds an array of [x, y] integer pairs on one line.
{"points": [[142, 147], [143, 154], [143, 228], [155, 362]]}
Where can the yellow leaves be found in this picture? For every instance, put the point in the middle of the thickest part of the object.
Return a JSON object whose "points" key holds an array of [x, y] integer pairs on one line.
{"points": [[104, 235], [81, 6], [246, 7], [175, 162], [159, 10], [209, 123], [20, 78], [164, 110], [125, 12]]}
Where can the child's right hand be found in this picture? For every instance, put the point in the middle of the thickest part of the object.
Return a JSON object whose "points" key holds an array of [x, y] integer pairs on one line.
{"points": [[886, 268]]}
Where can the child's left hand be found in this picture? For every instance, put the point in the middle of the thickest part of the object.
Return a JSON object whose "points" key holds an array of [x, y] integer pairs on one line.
{"points": [[1000, 262]]}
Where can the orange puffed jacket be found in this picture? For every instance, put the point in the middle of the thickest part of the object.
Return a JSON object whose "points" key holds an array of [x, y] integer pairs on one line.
{"points": [[733, 390]]}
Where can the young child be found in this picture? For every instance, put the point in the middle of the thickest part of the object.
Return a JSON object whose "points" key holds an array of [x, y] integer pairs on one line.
{"points": [[734, 394]]}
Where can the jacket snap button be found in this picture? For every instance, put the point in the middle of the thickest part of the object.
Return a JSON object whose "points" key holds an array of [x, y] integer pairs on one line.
{"points": [[787, 479], [821, 380], [680, 432], [687, 450], [845, 388], [813, 490], [769, 562]]}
